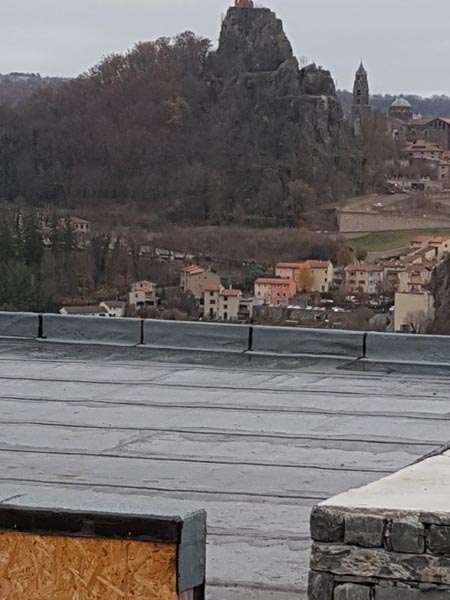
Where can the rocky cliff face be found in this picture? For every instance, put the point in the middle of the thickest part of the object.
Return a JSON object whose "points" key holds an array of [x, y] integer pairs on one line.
{"points": [[440, 288], [286, 130]]}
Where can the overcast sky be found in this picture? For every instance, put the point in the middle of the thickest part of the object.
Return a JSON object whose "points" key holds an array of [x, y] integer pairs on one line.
{"points": [[405, 45]]}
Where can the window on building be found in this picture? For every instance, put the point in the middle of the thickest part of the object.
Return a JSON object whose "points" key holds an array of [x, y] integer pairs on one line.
{"points": [[212, 301]]}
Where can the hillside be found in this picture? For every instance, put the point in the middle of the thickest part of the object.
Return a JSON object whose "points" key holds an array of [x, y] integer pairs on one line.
{"points": [[239, 135], [16, 87]]}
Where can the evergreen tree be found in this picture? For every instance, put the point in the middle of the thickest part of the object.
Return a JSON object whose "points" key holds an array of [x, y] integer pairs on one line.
{"points": [[55, 235], [67, 237], [7, 248], [33, 248]]}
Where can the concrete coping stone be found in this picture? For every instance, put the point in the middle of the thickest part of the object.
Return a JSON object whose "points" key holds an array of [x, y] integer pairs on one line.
{"points": [[422, 488]]}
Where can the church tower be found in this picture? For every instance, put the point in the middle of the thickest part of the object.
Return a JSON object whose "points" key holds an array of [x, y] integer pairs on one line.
{"points": [[360, 105]]}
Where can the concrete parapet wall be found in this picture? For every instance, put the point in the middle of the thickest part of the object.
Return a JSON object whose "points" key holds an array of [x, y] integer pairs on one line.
{"points": [[413, 349], [19, 325], [284, 340], [387, 541], [97, 330], [224, 337], [196, 336]]}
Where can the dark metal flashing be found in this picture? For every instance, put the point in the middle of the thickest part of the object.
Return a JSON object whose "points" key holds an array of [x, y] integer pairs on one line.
{"points": [[54, 522], [192, 553]]}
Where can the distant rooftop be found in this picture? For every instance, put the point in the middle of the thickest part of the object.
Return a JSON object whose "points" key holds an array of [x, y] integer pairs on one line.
{"points": [[401, 102]]}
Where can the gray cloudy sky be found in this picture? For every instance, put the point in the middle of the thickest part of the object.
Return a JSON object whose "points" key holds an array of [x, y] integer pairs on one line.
{"points": [[404, 43]]}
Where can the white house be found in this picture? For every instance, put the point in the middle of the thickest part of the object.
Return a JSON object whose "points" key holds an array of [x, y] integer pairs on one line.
{"points": [[142, 295]]}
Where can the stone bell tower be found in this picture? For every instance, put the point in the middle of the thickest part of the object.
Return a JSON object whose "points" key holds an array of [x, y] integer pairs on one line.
{"points": [[361, 106]]}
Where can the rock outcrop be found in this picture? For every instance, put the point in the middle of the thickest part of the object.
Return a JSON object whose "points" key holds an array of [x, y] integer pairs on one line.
{"points": [[284, 124], [440, 288]]}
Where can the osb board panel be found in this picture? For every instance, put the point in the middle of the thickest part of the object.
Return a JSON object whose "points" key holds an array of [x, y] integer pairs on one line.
{"points": [[57, 568]]}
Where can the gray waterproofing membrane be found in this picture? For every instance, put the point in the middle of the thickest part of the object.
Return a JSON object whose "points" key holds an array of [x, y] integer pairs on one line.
{"points": [[413, 349], [255, 442], [98, 330], [19, 325], [198, 336], [283, 340]]}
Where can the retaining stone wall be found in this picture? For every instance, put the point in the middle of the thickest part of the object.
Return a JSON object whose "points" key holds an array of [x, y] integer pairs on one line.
{"points": [[379, 555], [355, 222]]}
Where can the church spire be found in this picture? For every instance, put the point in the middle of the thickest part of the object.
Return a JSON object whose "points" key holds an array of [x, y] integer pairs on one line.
{"points": [[361, 93]]}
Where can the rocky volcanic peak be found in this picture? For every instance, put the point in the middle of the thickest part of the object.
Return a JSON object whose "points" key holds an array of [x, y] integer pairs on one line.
{"points": [[252, 40], [287, 124]]}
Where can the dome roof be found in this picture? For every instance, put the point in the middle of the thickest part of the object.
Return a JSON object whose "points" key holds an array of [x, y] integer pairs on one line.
{"points": [[401, 102]]}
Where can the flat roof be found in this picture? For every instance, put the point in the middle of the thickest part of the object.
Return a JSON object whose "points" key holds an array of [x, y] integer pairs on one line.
{"points": [[254, 440]]}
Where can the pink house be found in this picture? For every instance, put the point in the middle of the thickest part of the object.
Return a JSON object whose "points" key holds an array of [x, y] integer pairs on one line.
{"points": [[275, 291]]}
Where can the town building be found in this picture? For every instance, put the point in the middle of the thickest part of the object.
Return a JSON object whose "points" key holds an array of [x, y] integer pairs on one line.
{"points": [[84, 311], [423, 149], [109, 308], [80, 226], [442, 246], [142, 295], [402, 110], [221, 304], [275, 291], [418, 129], [413, 311], [415, 276], [420, 242], [309, 276], [194, 280], [365, 279], [438, 131], [322, 272], [246, 308], [115, 308]]}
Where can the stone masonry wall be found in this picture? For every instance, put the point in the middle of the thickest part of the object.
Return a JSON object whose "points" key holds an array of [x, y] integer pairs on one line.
{"points": [[353, 222], [379, 555]]}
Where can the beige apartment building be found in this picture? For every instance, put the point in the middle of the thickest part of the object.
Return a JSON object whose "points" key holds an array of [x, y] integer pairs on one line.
{"points": [[442, 247], [413, 310], [365, 279], [221, 304], [309, 276], [275, 291], [142, 295], [195, 280], [414, 275]]}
